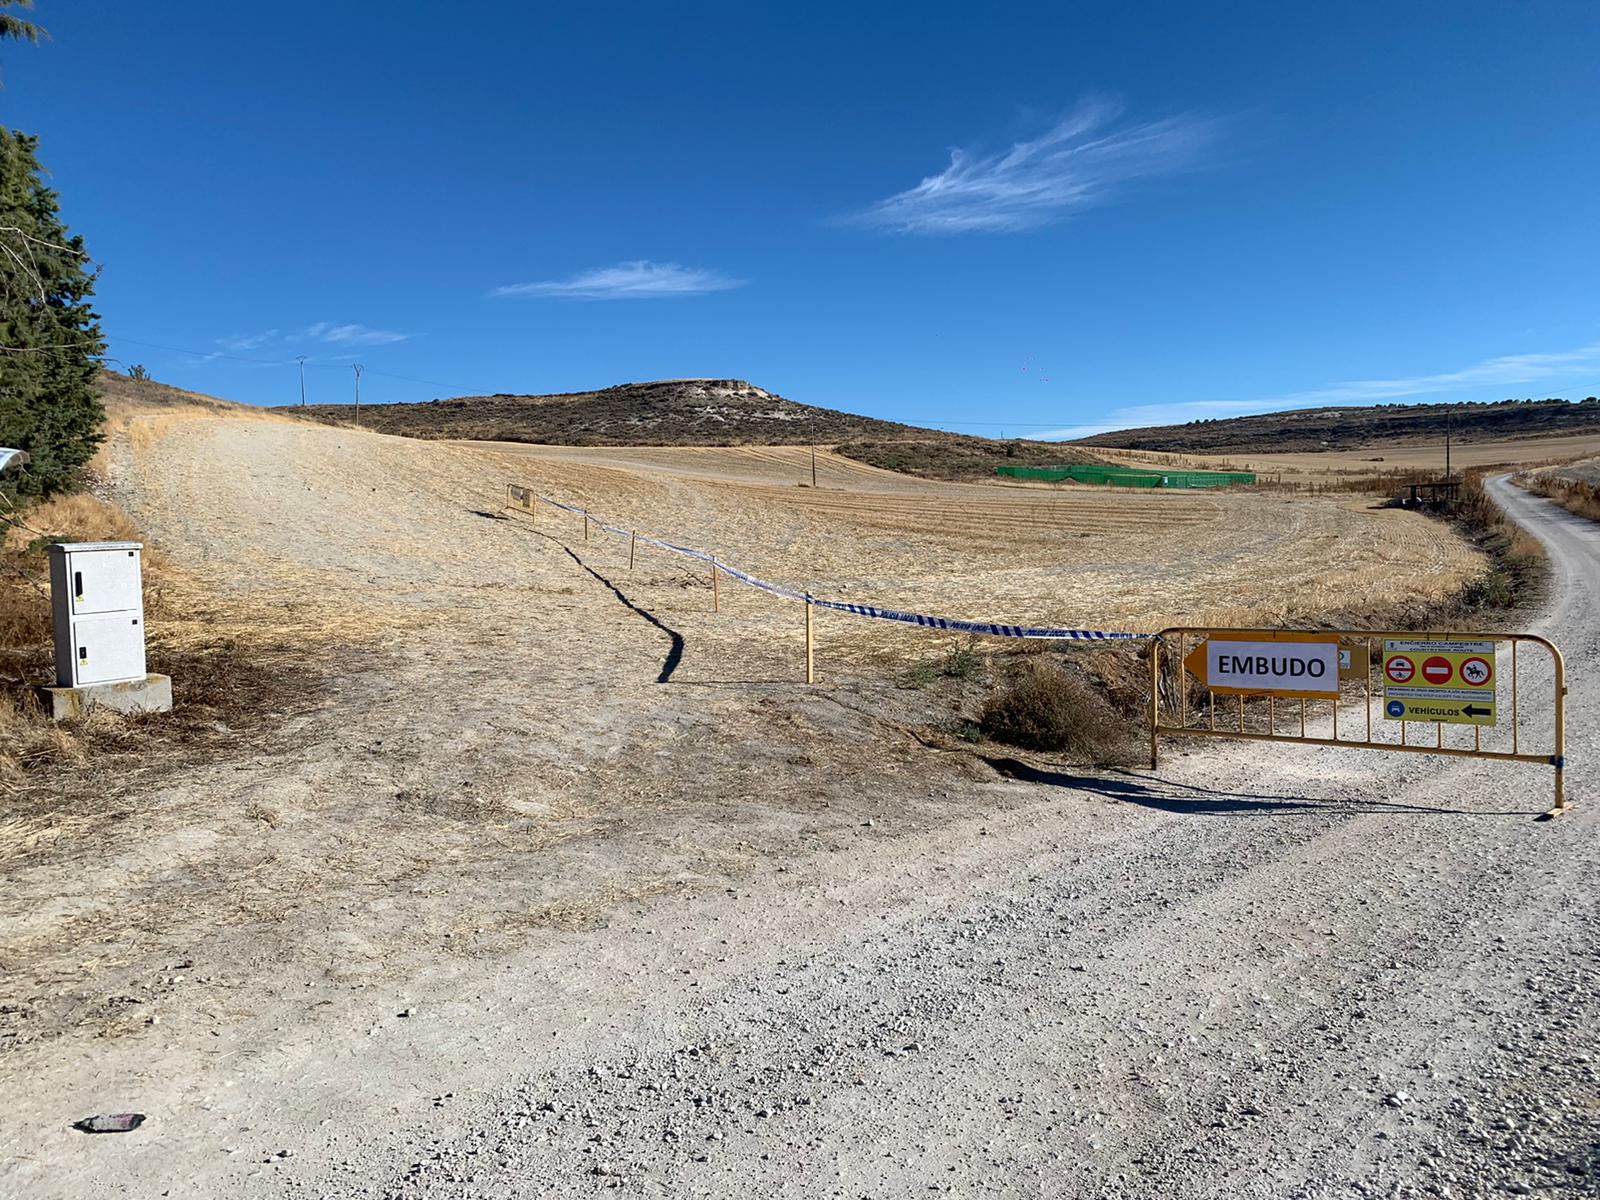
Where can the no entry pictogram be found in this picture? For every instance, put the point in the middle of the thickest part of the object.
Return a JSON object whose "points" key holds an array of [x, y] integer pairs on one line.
{"points": [[1438, 670]]}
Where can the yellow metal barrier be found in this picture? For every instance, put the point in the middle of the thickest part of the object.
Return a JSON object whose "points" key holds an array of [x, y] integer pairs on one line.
{"points": [[1427, 678]]}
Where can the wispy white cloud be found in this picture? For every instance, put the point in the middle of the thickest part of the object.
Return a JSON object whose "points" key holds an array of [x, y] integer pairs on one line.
{"points": [[1504, 371], [352, 335], [247, 341], [1076, 164], [636, 280]]}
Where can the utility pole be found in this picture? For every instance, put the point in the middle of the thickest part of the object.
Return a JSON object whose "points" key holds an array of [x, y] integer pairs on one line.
{"points": [[301, 359], [1447, 421], [813, 466], [357, 369]]}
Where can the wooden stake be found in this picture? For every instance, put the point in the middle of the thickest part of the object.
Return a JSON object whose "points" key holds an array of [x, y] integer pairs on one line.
{"points": [[811, 675], [1155, 697], [633, 539], [716, 592], [586, 527]]}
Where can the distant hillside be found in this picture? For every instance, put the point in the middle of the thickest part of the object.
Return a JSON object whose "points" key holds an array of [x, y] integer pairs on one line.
{"points": [[1347, 428], [674, 412], [937, 455], [117, 388], [696, 412]]}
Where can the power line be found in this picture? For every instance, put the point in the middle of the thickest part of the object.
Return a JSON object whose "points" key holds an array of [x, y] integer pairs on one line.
{"points": [[289, 362], [261, 362], [455, 387]]}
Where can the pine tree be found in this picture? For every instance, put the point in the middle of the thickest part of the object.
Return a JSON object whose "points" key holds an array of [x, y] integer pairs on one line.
{"points": [[49, 336], [17, 28]]}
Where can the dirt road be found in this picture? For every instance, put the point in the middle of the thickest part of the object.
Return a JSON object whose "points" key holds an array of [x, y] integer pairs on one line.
{"points": [[1325, 975], [496, 914]]}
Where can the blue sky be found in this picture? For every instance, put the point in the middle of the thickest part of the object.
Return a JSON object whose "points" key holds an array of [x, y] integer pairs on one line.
{"points": [[1053, 218]]}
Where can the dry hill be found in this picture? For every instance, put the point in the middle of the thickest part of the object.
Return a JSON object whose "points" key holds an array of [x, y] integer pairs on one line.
{"points": [[696, 412], [1314, 429], [671, 412], [117, 388]]}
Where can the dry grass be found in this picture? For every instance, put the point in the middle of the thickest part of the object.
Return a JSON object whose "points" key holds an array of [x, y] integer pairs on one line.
{"points": [[1517, 559], [118, 390], [1575, 488], [26, 648], [224, 670], [1085, 558]]}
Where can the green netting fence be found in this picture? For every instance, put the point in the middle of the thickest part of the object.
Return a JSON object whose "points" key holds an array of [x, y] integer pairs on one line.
{"points": [[1135, 477]]}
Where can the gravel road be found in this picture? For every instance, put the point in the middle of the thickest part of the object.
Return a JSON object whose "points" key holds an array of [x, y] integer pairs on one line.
{"points": [[1274, 973], [466, 930]]}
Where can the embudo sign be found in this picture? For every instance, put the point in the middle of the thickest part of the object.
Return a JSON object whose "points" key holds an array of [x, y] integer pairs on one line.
{"points": [[1308, 669]]}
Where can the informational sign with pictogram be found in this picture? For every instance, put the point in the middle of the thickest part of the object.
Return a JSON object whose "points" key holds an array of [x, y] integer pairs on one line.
{"points": [[1355, 662], [1440, 678], [1437, 680]]}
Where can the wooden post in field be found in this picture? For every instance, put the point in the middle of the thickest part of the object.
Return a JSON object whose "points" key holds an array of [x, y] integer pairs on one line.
{"points": [[1155, 696], [633, 539], [716, 592], [813, 466], [811, 675], [586, 527]]}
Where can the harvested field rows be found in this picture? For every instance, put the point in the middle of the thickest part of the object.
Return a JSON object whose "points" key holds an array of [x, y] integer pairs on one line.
{"points": [[1094, 558], [1380, 458], [1023, 516], [779, 465]]}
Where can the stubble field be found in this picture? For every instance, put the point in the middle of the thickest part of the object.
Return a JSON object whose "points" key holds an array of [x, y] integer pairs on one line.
{"points": [[1381, 458], [474, 756]]}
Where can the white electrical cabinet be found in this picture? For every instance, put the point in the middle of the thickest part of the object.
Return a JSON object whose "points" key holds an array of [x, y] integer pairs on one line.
{"points": [[97, 595]]}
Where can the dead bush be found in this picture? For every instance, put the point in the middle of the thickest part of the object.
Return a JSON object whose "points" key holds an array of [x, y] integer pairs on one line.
{"points": [[1046, 707], [962, 661], [1574, 493]]}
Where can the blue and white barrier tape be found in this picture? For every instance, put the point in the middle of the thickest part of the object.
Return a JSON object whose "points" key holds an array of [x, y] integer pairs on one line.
{"points": [[862, 610], [775, 589], [984, 627]]}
